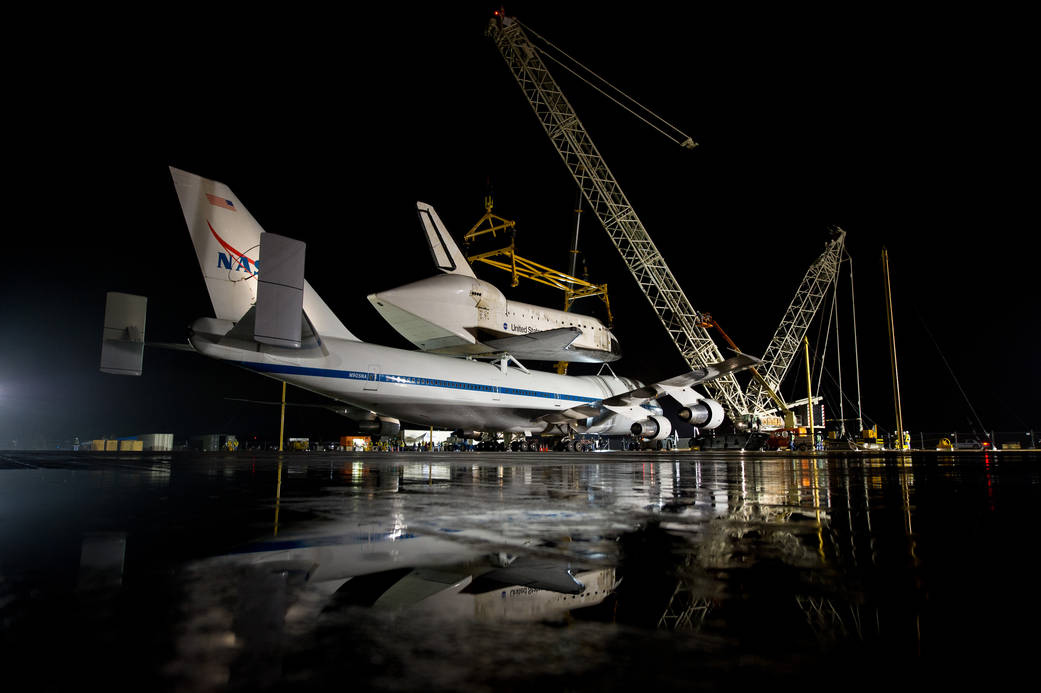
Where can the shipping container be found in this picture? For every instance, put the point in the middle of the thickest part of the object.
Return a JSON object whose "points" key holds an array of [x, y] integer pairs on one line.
{"points": [[158, 442]]}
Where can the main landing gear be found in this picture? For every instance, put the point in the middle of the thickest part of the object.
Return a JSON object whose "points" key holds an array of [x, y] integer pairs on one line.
{"points": [[560, 445]]}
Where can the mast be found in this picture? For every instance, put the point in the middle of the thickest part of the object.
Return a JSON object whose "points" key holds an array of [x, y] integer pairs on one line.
{"points": [[892, 353], [809, 391], [838, 356], [787, 340], [856, 346], [573, 256]]}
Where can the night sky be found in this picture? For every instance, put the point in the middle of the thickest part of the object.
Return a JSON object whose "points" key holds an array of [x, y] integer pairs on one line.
{"points": [[908, 131]]}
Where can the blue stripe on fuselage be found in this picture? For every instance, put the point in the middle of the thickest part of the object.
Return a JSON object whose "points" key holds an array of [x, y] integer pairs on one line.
{"points": [[408, 380]]}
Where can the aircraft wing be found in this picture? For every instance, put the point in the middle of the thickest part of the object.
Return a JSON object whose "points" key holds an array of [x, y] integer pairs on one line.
{"points": [[646, 393], [629, 403]]}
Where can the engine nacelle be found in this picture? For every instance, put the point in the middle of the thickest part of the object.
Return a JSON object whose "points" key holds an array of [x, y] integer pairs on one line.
{"points": [[380, 427], [652, 428], [708, 413], [466, 435]]}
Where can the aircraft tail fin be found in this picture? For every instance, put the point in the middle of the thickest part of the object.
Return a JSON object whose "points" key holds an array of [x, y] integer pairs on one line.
{"points": [[227, 244], [447, 256]]}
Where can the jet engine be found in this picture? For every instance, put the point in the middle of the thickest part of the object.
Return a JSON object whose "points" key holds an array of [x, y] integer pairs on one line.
{"points": [[706, 413], [652, 428]]}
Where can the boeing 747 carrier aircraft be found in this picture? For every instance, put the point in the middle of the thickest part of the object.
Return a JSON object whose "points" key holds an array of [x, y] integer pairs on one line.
{"points": [[268, 319]]}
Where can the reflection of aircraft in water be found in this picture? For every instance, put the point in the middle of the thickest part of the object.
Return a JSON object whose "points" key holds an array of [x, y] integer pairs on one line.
{"points": [[397, 570], [526, 590], [250, 612]]}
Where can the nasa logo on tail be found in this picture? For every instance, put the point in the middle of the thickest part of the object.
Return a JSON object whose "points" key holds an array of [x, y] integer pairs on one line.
{"points": [[234, 260]]}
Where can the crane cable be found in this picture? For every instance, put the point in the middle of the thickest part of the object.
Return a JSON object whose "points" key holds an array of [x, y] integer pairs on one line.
{"points": [[684, 140], [950, 370]]}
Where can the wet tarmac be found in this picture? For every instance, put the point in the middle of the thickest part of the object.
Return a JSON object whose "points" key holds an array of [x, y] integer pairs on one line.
{"points": [[492, 572]]}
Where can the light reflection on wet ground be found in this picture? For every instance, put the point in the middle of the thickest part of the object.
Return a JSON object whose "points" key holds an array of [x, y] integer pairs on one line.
{"points": [[506, 571]]}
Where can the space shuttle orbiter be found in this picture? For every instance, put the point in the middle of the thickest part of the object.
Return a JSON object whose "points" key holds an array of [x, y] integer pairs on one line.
{"points": [[455, 313]]}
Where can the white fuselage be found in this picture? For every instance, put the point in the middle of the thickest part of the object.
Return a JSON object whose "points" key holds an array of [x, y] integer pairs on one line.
{"points": [[422, 388], [448, 313]]}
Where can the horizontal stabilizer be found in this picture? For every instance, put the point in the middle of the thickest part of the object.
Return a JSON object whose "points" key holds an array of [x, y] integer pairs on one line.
{"points": [[123, 338], [245, 330], [171, 346], [354, 413]]}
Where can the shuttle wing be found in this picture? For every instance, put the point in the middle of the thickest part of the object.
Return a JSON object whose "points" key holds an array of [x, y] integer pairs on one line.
{"points": [[548, 345], [629, 403]]}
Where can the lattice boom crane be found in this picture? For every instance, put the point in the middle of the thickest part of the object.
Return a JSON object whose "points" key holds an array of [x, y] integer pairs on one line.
{"points": [[612, 208], [787, 340]]}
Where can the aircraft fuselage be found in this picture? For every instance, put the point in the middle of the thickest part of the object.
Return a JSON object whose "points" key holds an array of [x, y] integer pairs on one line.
{"points": [[423, 388]]}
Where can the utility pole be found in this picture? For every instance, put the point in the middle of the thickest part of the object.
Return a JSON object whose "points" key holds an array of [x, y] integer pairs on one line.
{"points": [[282, 418]]}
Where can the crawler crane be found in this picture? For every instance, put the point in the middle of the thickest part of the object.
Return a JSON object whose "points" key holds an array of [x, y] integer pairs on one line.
{"points": [[606, 199], [686, 326]]}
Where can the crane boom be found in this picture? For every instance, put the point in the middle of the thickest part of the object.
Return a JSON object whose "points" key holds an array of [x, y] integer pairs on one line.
{"points": [[788, 338], [612, 208]]}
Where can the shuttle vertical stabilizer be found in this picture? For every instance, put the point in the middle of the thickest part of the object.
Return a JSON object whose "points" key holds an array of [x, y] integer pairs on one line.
{"points": [[447, 256]]}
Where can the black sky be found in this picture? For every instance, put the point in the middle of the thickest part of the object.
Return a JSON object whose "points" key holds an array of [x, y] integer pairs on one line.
{"points": [[909, 131]]}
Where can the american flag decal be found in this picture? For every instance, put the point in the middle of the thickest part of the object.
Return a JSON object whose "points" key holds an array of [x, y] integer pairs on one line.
{"points": [[220, 202]]}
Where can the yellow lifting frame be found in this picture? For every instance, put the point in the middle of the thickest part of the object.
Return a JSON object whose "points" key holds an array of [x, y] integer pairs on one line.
{"points": [[520, 267]]}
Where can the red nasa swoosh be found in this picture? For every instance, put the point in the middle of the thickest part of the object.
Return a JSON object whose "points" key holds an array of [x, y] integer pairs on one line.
{"points": [[232, 250]]}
